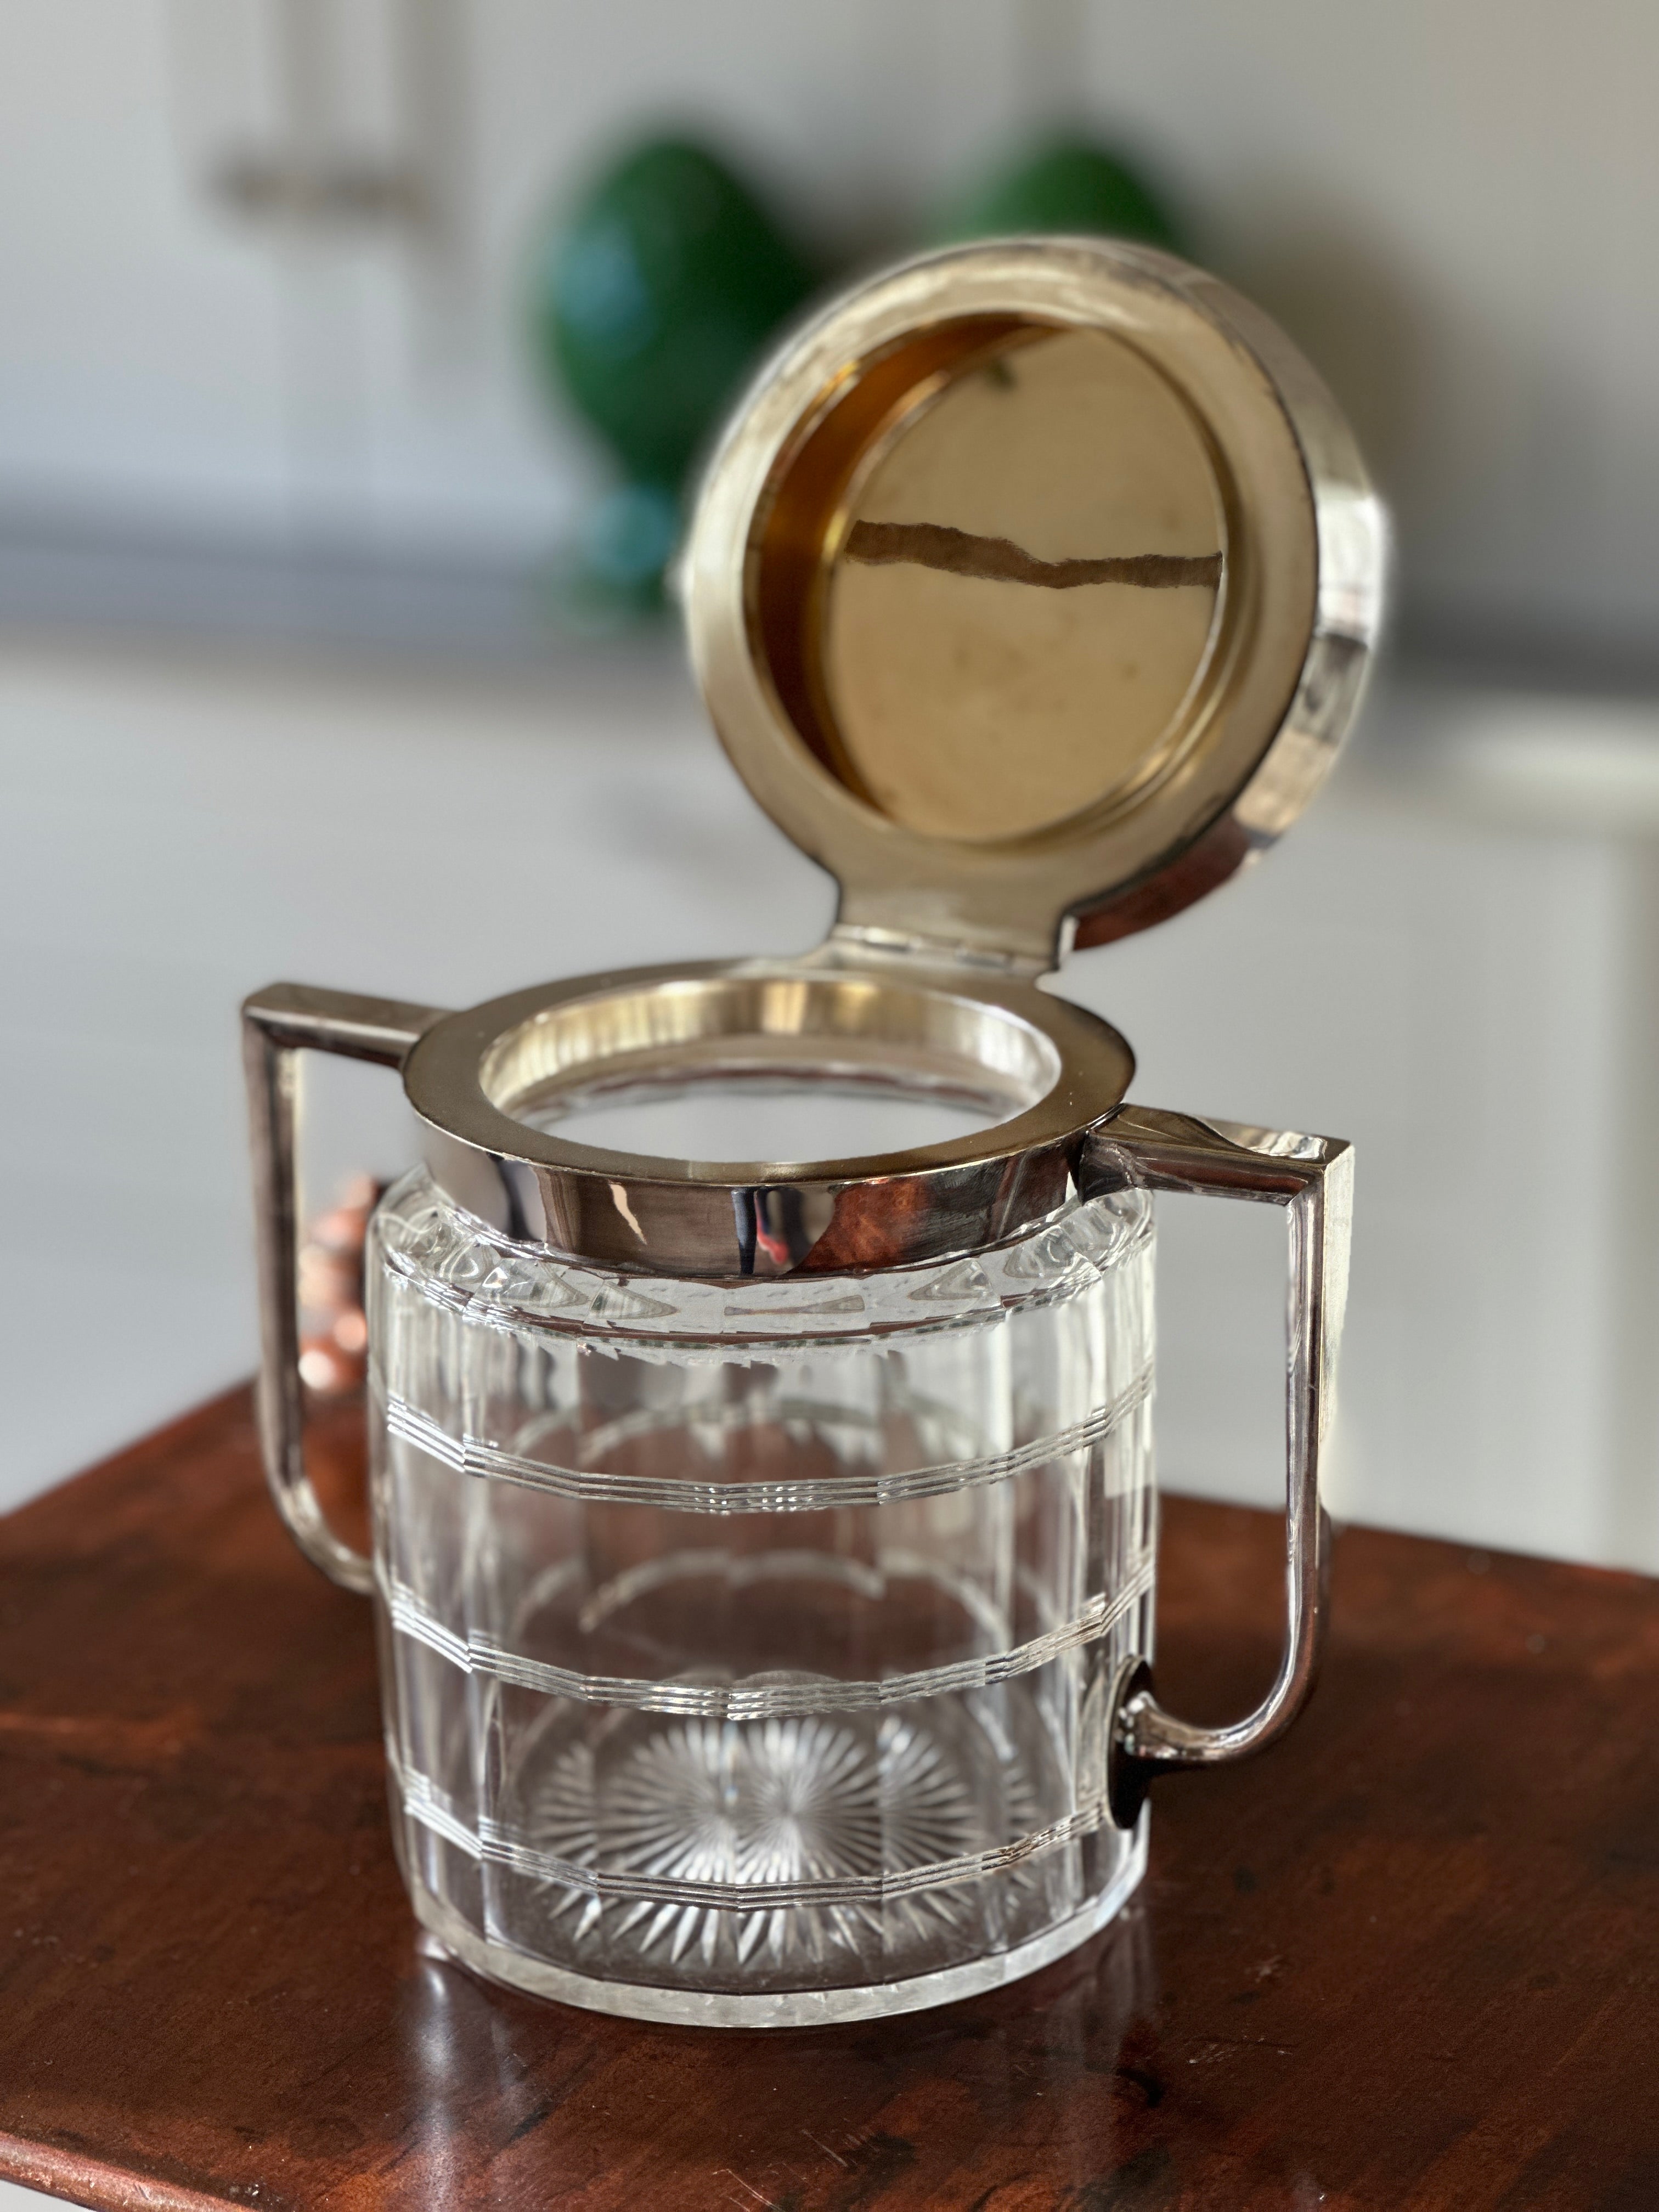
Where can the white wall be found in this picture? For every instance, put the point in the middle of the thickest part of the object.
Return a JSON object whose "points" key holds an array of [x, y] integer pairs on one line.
{"points": [[1451, 201], [1451, 960]]}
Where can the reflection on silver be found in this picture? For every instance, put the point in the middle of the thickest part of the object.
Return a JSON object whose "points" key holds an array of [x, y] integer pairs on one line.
{"points": [[999, 560]]}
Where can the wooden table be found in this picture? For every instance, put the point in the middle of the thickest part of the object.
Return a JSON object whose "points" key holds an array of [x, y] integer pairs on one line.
{"points": [[1410, 1959]]}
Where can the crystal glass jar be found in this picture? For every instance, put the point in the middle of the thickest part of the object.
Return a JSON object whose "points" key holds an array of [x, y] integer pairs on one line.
{"points": [[764, 1526], [748, 1652]]}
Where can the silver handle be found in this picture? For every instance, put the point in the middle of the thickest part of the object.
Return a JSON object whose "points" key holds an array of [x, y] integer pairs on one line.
{"points": [[277, 1026], [1312, 1177]]}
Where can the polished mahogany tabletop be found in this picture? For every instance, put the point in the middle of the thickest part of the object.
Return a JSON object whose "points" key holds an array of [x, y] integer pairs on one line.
{"points": [[1410, 1959]]}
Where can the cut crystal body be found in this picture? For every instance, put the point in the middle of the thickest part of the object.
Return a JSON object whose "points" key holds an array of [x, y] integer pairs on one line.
{"points": [[748, 1649]]}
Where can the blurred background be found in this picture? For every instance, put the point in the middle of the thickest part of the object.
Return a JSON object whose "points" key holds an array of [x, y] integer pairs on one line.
{"points": [[339, 462]]}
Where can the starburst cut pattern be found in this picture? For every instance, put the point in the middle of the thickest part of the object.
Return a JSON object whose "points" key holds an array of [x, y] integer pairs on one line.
{"points": [[779, 1800]]}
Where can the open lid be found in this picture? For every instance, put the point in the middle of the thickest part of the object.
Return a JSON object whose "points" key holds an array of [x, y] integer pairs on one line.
{"points": [[1031, 591]]}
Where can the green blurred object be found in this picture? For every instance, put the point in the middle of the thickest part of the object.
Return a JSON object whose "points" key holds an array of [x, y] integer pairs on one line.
{"points": [[1066, 182], [651, 298]]}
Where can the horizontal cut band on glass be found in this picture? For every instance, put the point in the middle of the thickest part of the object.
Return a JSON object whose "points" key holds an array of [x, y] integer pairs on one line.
{"points": [[493, 1845], [499, 1959], [472, 1455], [477, 1654], [522, 1295]]}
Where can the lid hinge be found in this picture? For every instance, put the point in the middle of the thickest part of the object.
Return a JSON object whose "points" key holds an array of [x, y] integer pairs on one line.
{"points": [[859, 944]]}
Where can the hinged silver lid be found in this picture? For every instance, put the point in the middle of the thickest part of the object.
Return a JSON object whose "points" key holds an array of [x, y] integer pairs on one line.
{"points": [[1031, 591]]}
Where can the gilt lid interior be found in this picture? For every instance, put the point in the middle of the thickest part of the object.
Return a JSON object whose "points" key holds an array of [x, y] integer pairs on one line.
{"points": [[1030, 588]]}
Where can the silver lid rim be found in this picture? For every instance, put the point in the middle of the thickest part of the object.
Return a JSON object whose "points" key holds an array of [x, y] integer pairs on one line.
{"points": [[939, 1029]]}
